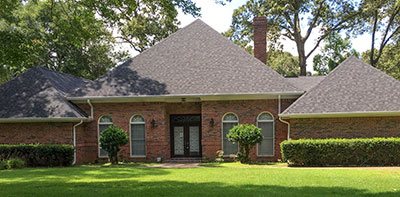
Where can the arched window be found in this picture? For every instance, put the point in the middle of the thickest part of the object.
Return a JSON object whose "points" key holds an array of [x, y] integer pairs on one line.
{"points": [[228, 121], [138, 136], [104, 123], [265, 121]]}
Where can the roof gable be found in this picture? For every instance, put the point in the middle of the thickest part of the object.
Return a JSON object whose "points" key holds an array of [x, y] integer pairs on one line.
{"points": [[195, 60], [39, 93], [353, 87]]}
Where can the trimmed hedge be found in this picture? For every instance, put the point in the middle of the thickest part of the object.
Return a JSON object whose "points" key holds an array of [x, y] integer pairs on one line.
{"points": [[39, 154], [342, 152]]}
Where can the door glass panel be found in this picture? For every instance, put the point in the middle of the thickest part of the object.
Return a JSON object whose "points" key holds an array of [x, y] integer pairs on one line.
{"points": [[178, 140], [194, 140]]}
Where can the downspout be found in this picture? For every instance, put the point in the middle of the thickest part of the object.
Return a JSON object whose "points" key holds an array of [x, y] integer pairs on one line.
{"points": [[74, 130], [74, 140], [280, 118]]}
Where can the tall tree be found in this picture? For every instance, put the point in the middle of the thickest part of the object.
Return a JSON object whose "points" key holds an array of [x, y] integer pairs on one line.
{"points": [[335, 50], [79, 37], [295, 20], [389, 61], [283, 62], [382, 19], [142, 23]]}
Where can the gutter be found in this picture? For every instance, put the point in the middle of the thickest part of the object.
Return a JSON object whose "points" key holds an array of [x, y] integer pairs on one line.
{"points": [[280, 118], [342, 114], [74, 140], [202, 97], [34, 120], [91, 110]]}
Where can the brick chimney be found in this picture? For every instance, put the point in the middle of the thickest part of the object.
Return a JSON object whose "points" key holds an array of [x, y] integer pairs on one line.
{"points": [[260, 40]]}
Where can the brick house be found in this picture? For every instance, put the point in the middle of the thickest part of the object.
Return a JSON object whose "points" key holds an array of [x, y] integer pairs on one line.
{"points": [[179, 98]]}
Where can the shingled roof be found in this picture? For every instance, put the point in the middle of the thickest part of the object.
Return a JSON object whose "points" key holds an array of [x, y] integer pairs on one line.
{"points": [[39, 93], [305, 83], [353, 88], [195, 60]]}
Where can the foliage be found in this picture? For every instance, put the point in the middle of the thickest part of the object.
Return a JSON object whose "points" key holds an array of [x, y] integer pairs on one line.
{"points": [[15, 163], [39, 154], [334, 52], [389, 61], [342, 152], [3, 164], [294, 20], [111, 140], [247, 136], [80, 37], [283, 62], [381, 18]]}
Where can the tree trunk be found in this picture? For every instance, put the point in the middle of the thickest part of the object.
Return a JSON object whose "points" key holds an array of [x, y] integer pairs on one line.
{"points": [[302, 58]]}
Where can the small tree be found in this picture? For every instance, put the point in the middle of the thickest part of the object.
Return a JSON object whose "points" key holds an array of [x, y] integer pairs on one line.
{"points": [[111, 140], [247, 136]]}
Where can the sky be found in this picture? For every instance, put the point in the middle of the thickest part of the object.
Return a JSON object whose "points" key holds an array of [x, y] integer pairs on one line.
{"points": [[219, 17]]}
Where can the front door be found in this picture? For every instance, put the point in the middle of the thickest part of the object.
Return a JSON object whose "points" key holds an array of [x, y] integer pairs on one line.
{"points": [[185, 135]]}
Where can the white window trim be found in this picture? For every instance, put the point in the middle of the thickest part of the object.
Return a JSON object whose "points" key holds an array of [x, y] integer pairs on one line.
{"points": [[130, 136], [273, 134], [98, 134], [222, 131]]}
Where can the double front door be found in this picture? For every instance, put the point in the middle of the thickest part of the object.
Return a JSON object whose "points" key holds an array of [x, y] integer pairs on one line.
{"points": [[185, 135]]}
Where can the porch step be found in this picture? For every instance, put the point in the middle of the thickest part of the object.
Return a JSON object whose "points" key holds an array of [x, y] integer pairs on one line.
{"points": [[184, 160]]}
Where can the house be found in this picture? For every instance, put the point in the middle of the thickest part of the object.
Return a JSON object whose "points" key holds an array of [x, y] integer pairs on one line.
{"points": [[179, 98]]}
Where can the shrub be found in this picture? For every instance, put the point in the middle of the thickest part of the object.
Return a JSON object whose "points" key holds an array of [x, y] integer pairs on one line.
{"points": [[39, 154], [342, 152], [247, 136], [3, 164], [111, 140], [15, 163]]}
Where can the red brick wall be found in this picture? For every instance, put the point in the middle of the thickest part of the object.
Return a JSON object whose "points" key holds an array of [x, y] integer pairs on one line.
{"points": [[247, 111], [345, 127], [45, 133], [158, 139]]}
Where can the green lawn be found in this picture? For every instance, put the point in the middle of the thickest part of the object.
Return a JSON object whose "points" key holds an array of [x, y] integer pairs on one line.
{"points": [[229, 179]]}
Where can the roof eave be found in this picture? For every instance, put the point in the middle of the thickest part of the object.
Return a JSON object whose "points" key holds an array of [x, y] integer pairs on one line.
{"points": [[189, 97], [340, 114], [39, 120]]}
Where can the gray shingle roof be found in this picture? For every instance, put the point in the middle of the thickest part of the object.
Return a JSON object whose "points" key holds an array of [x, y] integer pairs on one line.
{"points": [[39, 93], [353, 87], [195, 60], [305, 83]]}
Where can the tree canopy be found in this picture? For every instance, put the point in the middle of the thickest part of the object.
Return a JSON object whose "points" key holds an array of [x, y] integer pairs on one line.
{"points": [[79, 37], [294, 20]]}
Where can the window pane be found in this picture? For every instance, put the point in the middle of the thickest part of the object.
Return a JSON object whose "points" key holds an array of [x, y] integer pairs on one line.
{"points": [[138, 141], [266, 147], [139, 147], [265, 116], [230, 117], [103, 127], [267, 129], [106, 119], [228, 147], [137, 131], [137, 118]]}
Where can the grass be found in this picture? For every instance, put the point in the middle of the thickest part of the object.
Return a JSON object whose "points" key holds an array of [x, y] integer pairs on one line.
{"points": [[227, 179]]}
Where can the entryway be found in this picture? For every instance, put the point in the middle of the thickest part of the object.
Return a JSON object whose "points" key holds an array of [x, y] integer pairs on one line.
{"points": [[185, 135]]}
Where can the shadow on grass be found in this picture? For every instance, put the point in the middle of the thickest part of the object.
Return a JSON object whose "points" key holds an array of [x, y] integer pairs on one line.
{"points": [[173, 188]]}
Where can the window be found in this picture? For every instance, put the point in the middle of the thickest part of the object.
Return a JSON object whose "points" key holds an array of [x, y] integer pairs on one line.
{"points": [[228, 121], [104, 123], [265, 121], [138, 136]]}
